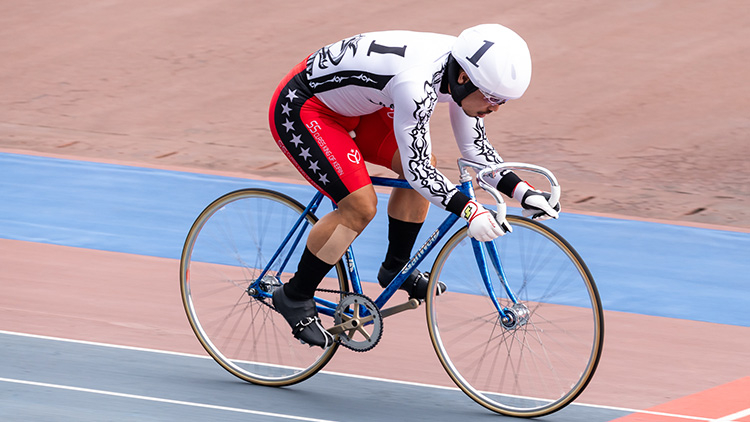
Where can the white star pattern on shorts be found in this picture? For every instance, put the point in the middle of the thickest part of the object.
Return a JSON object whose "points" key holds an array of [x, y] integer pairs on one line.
{"points": [[296, 140], [288, 125]]}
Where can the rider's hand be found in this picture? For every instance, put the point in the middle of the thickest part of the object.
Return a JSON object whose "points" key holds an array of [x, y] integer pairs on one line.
{"points": [[535, 203], [482, 224]]}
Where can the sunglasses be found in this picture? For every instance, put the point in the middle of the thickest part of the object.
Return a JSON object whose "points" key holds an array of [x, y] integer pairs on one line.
{"points": [[495, 101]]}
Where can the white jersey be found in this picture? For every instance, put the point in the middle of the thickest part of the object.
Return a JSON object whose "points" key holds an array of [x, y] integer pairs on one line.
{"points": [[401, 70]]}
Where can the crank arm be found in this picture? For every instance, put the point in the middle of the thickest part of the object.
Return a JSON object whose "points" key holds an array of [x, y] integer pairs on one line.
{"points": [[411, 304], [354, 323], [351, 324]]}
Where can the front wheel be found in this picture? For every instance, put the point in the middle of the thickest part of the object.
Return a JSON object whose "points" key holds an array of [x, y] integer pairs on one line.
{"points": [[541, 355], [228, 304]]}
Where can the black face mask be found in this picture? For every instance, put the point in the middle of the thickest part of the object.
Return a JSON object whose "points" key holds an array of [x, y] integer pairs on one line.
{"points": [[458, 91]]}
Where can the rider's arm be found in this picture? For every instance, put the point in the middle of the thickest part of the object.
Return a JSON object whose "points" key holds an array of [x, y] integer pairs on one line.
{"points": [[473, 144], [413, 107]]}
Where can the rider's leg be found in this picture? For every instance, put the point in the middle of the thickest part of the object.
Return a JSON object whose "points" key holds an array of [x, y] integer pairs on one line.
{"points": [[317, 142], [328, 240], [407, 210]]}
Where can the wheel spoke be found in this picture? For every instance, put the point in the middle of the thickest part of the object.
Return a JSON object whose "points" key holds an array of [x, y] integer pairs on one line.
{"points": [[544, 355], [226, 249]]}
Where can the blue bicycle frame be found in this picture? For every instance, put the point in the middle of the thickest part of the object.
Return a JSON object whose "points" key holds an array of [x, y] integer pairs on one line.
{"points": [[328, 308]]}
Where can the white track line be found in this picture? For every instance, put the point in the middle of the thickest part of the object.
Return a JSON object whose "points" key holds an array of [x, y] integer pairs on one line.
{"points": [[728, 418], [734, 416], [159, 400]]}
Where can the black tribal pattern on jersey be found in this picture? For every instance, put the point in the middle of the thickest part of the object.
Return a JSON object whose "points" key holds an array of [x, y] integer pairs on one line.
{"points": [[483, 148], [325, 58], [420, 168]]}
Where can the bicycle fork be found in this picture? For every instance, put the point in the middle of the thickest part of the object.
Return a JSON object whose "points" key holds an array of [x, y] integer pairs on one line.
{"points": [[517, 315]]}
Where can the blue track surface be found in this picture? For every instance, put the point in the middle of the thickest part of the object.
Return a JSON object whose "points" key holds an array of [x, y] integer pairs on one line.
{"points": [[640, 267]]}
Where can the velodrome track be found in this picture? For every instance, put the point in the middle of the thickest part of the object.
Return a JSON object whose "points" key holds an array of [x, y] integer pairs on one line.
{"points": [[640, 107], [93, 327]]}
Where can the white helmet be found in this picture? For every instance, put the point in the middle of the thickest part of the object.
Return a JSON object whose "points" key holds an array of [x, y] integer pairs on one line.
{"points": [[496, 59]]}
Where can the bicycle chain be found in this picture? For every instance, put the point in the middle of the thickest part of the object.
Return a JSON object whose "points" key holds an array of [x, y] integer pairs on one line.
{"points": [[339, 292]]}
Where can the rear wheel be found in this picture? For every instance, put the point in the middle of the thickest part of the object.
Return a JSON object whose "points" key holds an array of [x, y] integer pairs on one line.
{"points": [[542, 355], [229, 307]]}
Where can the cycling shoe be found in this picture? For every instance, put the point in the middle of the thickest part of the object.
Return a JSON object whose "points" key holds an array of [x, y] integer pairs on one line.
{"points": [[303, 317], [415, 285]]}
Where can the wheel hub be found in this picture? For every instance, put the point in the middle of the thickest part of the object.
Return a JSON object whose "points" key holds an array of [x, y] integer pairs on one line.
{"points": [[267, 284], [516, 316]]}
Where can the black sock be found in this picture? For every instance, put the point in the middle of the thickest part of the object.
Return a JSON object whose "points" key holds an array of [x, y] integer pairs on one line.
{"points": [[310, 273], [401, 238]]}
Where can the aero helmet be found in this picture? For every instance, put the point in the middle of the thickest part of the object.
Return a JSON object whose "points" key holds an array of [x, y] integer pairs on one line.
{"points": [[496, 59]]}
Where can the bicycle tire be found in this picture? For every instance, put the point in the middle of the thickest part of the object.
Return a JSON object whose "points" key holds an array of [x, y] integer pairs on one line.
{"points": [[224, 252], [531, 369]]}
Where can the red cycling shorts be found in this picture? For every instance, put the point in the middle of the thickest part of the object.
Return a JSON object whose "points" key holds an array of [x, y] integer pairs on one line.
{"points": [[318, 142]]}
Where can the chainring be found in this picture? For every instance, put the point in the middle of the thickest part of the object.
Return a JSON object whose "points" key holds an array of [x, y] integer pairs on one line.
{"points": [[362, 312]]}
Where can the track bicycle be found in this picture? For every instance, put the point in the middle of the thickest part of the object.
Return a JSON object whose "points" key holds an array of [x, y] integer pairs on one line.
{"points": [[520, 329]]}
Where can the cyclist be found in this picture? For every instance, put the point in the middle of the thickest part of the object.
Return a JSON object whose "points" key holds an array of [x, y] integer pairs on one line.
{"points": [[370, 98]]}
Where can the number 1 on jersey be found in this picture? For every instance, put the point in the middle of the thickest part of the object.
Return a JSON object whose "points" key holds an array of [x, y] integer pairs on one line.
{"points": [[383, 49]]}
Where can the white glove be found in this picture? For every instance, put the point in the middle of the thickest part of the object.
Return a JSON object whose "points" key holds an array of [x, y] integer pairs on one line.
{"points": [[482, 224], [535, 202]]}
